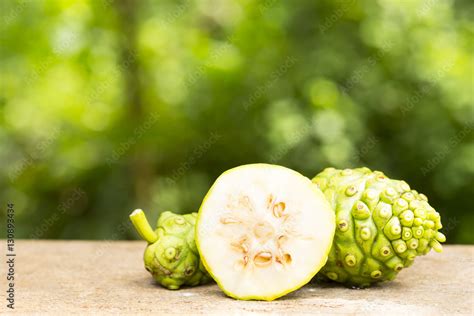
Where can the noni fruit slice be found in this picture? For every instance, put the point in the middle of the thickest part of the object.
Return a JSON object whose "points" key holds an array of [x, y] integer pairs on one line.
{"points": [[263, 231], [171, 255], [381, 226]]}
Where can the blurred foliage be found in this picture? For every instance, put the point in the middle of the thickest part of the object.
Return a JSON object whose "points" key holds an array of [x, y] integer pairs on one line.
{"points": [[106, 106]]}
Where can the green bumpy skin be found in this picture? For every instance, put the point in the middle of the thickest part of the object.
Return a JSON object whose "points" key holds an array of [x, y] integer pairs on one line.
{"points": [[381, 226], [171, 255]]}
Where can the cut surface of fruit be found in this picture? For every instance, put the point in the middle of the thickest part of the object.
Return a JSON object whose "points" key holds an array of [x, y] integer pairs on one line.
{"points": [[263, 231]]}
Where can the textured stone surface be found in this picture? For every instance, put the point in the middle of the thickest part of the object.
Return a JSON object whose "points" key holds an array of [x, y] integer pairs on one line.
{"points": [[108, 277]]}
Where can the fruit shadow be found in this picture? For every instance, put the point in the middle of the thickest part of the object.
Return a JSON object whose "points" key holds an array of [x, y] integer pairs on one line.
{"points": [[145, 283], [150, 283], [316, 289]]}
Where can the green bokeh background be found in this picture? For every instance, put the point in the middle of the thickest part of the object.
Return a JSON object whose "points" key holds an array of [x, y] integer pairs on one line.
{"points": [[107, 106]]}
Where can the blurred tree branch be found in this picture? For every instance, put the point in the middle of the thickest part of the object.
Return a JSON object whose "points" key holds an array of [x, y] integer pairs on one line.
{"points": [[141, 168]]}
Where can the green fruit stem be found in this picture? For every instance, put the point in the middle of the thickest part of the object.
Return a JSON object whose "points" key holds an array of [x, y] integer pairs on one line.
{"points": [[142, 226]]}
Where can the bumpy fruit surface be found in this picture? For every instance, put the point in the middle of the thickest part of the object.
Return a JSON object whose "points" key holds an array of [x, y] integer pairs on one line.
{"points": [[381, 226], [263, 231], [171, 255]]}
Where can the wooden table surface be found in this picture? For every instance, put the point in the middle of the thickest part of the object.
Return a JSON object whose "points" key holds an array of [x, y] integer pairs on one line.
{"points": [[108, 277]]}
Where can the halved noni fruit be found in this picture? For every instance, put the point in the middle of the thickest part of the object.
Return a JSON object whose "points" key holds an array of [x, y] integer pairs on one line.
{"points": [[263, 231]]}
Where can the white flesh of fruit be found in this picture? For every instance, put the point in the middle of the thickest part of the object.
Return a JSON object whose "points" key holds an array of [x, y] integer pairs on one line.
{"points": [[264, 231]]}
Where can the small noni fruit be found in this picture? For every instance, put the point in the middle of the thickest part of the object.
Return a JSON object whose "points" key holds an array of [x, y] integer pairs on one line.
{"points": [[381, 226], [171, 255]]}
